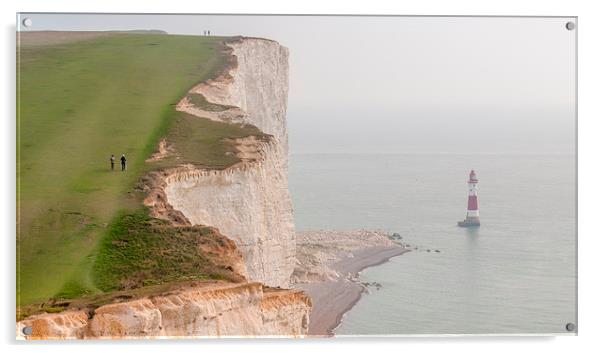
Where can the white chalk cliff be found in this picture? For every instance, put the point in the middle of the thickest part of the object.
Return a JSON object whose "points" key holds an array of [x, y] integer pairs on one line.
{"points": [[248, 202]]}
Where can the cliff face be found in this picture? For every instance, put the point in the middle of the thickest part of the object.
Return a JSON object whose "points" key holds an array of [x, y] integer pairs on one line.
{"points": [[214, 310], [248, 202], [255, 88]]}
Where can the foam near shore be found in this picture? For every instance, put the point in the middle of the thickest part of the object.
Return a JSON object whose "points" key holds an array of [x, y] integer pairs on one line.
{"points": [[328, 267]]}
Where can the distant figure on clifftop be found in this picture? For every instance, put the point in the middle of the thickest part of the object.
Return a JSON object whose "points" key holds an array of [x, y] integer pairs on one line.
{"points": [[123, 160], [112, 162]]}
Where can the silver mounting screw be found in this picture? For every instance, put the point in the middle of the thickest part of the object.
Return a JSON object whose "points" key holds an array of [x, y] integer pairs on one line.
{"points": [[570, 26]]}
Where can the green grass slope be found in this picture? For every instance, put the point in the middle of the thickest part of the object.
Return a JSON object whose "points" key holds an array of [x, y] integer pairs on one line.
{"points": [[78, 102], [140, 251], [210, 148]]}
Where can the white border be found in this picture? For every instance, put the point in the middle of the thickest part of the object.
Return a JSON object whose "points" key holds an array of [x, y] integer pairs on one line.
{"points": [[590, 161]]}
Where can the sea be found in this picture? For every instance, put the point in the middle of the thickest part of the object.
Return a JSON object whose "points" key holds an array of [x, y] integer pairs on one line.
{"points": [[515, 274]]}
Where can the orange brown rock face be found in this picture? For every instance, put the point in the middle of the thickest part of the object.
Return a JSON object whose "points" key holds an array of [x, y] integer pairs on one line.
{"points": [[205, 310]]}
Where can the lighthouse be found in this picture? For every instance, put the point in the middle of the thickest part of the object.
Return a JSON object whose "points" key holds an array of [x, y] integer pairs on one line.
{"points": [[472, 214]]}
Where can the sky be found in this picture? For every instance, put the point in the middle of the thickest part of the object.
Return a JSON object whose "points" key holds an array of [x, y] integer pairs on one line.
{"points": [[403, 84]]}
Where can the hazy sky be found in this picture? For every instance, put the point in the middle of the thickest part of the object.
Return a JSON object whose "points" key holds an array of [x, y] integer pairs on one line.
{"points": [[404, 84]]}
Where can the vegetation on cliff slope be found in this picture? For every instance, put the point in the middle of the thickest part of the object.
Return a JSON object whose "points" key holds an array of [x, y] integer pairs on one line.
{"points": [[141, 251], [213, 148], [78, 102]]}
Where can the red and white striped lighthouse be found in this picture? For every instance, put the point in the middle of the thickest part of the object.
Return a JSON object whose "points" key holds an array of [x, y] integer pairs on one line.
{"points": [[472, 214]]}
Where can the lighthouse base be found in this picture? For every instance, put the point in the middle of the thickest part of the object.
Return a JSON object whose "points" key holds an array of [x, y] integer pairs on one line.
{"points": [[470, 222]]}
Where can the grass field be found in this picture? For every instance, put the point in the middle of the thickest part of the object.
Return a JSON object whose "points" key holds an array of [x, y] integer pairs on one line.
{"points": [[78, 102]]}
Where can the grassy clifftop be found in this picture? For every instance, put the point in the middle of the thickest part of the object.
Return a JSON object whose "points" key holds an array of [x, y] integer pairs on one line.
{"points": [[81, 99]]}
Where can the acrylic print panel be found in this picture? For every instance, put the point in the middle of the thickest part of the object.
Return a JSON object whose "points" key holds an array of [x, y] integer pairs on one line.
{"points": [[193, 176]]}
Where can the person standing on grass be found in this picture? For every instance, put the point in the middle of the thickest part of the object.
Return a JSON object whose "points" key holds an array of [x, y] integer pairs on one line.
{"points": [[112, 162], [123, 160]]}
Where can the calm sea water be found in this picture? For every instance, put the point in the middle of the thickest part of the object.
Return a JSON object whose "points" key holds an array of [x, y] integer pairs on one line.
{"points": [[514, 274]]}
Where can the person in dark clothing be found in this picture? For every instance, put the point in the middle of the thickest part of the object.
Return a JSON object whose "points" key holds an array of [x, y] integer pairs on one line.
{"points": [[123, 160], [112, 162]]}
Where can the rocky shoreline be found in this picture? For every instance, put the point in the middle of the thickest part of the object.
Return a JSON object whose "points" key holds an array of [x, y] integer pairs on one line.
{"points": [[328, 268]]}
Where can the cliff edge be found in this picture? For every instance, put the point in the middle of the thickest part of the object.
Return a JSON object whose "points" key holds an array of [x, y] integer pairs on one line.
{"points": [[248, 202]]}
